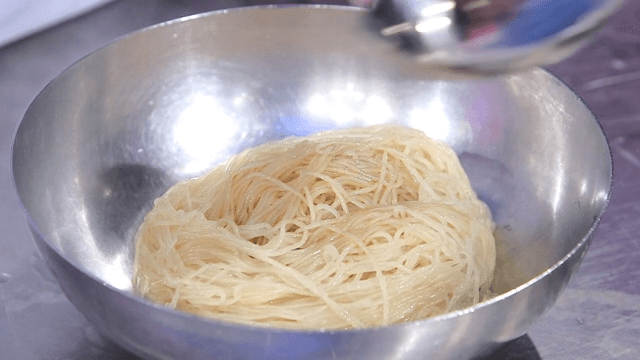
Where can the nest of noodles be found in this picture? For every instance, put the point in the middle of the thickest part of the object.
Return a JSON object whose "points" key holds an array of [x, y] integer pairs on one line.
{"points": [[343, 229]]}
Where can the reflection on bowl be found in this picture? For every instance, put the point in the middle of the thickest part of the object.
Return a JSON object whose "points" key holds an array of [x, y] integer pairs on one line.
{"points": [[118, 128]]}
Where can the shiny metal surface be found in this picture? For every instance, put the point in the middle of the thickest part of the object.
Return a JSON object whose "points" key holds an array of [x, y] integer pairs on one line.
{"points": [[118, 128], [490, 36]]}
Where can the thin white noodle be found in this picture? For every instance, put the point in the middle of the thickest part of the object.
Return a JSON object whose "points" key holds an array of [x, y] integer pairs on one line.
{"points": [[350, 228]]}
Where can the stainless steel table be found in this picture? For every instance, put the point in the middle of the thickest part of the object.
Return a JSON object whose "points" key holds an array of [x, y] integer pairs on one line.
{"points": [[598, 316]]}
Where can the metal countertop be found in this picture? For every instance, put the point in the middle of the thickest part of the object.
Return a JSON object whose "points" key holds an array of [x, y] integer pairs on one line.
{"points": [[597, 317]]}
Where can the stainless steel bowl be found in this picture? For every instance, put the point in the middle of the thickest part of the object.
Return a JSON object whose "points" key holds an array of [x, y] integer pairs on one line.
{"points": [[121, 126]]}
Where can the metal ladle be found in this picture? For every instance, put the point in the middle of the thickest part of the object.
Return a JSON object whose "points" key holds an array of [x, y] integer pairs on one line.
{"points": [[489, 36]]}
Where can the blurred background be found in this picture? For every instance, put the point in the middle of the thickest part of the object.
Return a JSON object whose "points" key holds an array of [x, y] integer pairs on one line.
{"points": [[598, 316]]}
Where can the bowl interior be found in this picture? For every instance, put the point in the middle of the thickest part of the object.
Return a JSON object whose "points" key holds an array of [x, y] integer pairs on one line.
{"points": [[118, 128]]}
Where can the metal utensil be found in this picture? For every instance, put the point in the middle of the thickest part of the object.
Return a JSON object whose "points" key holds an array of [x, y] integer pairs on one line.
{"points": [[490, 36]]}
